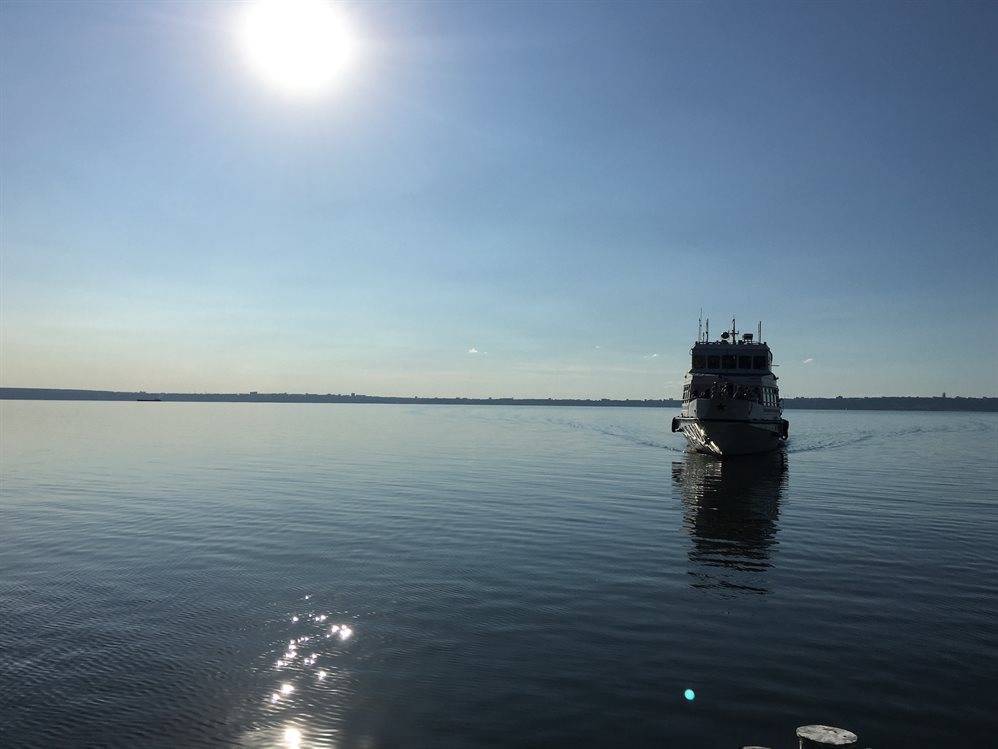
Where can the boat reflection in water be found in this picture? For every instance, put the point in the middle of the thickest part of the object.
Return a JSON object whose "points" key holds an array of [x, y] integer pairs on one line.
{"points": [[730, 510]]}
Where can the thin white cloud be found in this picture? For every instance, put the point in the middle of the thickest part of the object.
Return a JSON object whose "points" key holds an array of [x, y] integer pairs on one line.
{"points": [[808, 360], [651, 356], [472, 350]]}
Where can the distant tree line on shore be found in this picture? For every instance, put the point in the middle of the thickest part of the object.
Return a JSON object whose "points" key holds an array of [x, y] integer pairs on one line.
{"points": [[894, 403], [875, 403]]}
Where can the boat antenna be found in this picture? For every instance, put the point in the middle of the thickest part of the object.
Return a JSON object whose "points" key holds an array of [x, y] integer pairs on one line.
{"points": [[700, 327], [760, 332], [707, 336], [734, 334]]}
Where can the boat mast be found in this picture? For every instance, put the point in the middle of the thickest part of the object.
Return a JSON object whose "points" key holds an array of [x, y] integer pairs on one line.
{"points": [[700, 327]]}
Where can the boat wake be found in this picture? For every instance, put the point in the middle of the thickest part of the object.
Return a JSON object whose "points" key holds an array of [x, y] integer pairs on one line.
{"points": [[638, 440], [798, 443], [623, 433], [808, 443]]}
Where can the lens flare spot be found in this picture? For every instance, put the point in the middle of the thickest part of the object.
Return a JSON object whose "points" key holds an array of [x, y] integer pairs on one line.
{"points": [[690, 695]]}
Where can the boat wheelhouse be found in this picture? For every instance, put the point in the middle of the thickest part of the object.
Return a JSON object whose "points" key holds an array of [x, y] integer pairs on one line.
{"points": [[731, 402]]}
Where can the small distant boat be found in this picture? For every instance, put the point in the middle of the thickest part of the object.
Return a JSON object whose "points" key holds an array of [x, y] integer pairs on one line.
{"points": [[149, 399], [731, 403]]}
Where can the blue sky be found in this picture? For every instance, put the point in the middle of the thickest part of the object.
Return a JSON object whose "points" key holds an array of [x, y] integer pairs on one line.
{"points": [[559, 187]]}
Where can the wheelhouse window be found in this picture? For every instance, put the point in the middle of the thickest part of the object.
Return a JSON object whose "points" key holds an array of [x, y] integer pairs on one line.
{"points": [[728, 361], [699, 361], [758, 362], [745, 362], [713, 362]]}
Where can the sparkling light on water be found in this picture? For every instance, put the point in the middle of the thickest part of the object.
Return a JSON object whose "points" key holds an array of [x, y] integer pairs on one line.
{"points": [[292, 737]]}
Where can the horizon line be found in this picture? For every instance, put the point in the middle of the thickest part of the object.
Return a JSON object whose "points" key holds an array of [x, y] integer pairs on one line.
{"points": [[356, 395]]}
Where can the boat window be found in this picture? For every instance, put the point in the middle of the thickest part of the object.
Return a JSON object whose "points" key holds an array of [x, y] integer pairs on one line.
{"points": [[758, 362], [713, 362], [745, 362], [699, 361], [728, 361]]}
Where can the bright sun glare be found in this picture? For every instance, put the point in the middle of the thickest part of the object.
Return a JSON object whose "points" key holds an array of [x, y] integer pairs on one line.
{"points": [[299, 46]]}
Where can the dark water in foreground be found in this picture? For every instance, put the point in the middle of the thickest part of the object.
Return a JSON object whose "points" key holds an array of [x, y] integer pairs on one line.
{"points": [[509, 577]]}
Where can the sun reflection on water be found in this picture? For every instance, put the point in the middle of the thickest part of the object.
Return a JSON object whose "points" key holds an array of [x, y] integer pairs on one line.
{"points": [[292, 737], [306, 660]]}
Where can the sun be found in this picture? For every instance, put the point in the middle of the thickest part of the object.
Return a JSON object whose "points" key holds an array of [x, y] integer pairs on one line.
{"points": [[298, 46]]}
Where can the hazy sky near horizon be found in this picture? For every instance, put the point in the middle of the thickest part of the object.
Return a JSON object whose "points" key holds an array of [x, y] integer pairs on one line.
{"points": [[501, 199]]}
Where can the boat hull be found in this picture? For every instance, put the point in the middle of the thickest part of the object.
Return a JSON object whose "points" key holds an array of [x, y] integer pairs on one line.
{"points": [[732, 437]]}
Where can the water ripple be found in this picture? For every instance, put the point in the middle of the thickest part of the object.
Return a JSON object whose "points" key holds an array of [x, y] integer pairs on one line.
{"points": [[226, 574]]}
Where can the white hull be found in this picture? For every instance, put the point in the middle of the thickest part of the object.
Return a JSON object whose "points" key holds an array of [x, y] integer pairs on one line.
{"points": [[722, 425], [732, 437]]}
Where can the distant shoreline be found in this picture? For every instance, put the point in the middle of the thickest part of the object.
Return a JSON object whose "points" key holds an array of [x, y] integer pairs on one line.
{"points": [[877, 403]]}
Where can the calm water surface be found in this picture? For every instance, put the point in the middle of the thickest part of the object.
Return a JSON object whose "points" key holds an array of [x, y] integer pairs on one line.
{"points": [[178, 574]]}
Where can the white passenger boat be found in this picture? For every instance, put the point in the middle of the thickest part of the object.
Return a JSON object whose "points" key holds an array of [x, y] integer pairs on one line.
{"points": [[731, 403]]}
